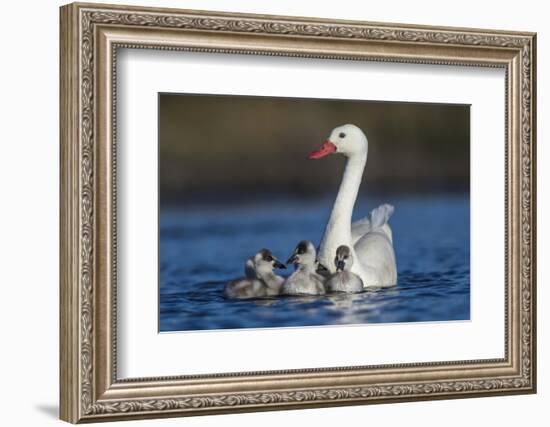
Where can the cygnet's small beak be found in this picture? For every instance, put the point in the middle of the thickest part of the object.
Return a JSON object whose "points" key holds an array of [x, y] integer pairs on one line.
{"points": [[278, 264], [340, 264], [324, 150], [293, 258]]}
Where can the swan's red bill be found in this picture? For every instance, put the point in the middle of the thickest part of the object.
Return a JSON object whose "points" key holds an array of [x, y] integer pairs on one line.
{"points": [[324, 150]]}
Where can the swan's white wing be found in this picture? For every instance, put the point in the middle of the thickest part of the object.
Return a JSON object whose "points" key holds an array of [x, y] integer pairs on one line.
{"points": [[359, 228], [377, 220]]}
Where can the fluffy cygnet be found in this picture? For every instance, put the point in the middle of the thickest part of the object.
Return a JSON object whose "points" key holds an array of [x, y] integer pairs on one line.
{"points": [[305, 280], [260, 280], [344, 280]]}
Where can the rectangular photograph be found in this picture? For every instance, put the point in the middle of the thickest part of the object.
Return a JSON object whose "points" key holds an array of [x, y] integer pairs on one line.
{"points": [[290, 212]]}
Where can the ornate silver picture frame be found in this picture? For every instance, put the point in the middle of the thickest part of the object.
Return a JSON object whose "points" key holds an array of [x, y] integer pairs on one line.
{"points": [[91, 34]]}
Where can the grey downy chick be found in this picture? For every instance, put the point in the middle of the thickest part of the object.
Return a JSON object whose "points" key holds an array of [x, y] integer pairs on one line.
{"points": [[344, 280], [305, 280], [260, 280]]}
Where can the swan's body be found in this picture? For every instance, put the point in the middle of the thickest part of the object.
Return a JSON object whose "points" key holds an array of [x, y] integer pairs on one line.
{"points": [[344, 280], [305, 280], [370, 239], [260, 280]]}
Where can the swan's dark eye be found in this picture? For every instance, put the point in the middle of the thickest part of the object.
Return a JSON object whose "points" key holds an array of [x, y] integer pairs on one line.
{"points": [[269, 258], [342, 135]]}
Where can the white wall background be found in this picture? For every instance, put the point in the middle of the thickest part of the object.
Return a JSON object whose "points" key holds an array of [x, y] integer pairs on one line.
{"points": [[29, 171]]}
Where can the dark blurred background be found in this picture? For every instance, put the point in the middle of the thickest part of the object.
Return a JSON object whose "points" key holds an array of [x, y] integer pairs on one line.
{"points": [[220, 148]]}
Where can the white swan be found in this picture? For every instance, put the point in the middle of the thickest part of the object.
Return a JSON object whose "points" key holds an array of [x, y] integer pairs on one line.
{"points": [[370, 239], [260, 280], [344, 280], [305, 280]]}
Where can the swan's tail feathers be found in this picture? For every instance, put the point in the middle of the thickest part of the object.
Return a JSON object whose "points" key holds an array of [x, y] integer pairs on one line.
{"points": [[387, 229], [380, 215], [379, 218]]}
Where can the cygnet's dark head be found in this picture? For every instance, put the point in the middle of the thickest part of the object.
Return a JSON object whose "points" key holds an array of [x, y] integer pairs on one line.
{"points": [[343, 259], [304, 254], [265, 261]]}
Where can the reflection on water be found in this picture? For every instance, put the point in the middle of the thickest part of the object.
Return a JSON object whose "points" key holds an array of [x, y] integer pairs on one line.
{"points": [[200, 249]]}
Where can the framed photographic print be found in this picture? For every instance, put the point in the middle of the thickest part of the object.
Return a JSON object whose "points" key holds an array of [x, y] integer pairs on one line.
{"points": [[265, 212]]}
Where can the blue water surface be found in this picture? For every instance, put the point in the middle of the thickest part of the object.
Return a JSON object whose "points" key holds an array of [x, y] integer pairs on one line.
{"points": [[202, 247]]}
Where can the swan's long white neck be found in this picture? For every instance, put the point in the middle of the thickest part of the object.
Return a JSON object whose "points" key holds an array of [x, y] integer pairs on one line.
{"points": [[338, 230], [342, 210]]}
